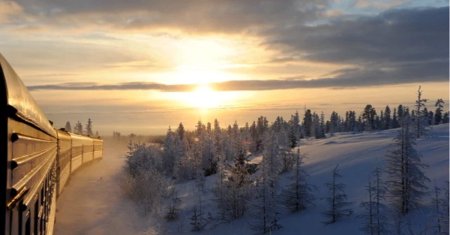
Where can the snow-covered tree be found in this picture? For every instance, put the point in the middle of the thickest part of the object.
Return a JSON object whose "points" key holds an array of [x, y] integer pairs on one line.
{"points": [[265, 209], [171, 152], [420, 119], [298, 194], [235, 190], [68, 127], [375, 219], [441, 213], [147, 186], [406, 180], [294, 130], [308, 124], [438, 115], [337, 199], [387, 122]]}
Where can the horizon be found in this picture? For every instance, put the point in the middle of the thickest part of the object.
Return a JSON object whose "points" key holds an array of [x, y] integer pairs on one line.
{"points": [[141, 67]]}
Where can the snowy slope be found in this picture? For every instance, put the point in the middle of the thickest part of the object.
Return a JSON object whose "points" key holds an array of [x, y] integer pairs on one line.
{"points": [[92, 203]]}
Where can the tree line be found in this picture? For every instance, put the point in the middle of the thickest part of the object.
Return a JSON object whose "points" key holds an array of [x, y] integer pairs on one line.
{"points": [[87, 130], [246, 187]]}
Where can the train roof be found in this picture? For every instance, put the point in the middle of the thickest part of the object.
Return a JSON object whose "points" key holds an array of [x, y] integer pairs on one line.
{"points": [[20, 102]]}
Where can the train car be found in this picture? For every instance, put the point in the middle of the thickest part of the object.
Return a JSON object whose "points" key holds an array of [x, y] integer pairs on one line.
{"points": [[98, 148], [28, 145], [88, 150], [63, 159], [76, 151]]}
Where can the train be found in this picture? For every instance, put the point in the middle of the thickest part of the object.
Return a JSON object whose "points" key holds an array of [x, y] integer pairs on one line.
{"points": [[37, 159]]}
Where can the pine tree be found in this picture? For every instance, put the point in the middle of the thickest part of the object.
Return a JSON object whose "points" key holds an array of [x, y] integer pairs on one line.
{"points": [[78, 129], [68, 127], [337, 200], [294, 130], [438, 118], [420, 114], [298, 195], [368, 116], [405, 170], [89, 131], [387, 118], [237, 189], [308, 124]]}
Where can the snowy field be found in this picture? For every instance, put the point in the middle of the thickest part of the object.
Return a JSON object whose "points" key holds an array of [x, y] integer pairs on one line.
{"points": [[93, 202]]}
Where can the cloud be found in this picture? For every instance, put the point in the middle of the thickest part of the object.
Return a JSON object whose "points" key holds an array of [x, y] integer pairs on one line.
{"points": [[193, 15], [394, 36], [119, 86], [355, 77], [8, 9]]}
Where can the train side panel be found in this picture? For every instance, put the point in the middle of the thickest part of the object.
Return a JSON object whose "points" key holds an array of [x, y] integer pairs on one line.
{"points": [[63, 160], [98, 148], [28, 177], [88, 150]]}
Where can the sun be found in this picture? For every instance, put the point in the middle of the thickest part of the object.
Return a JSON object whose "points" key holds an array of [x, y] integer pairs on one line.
{"points": [[204, 97]]}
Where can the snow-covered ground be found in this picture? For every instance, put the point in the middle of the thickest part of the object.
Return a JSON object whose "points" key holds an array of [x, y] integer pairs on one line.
{"points": [[92, 202]]}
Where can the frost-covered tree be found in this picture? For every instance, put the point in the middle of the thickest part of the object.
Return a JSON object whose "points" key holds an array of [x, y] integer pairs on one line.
{"points": [[438, 116], [235, 191], [68, 127], [337, 199], [146, 185], [294, 130], [171, 152], [265, 208], [308, 124], [334, 123], [387, 122], [375, 219], [406, 180], [420, 119], [298, 194]]}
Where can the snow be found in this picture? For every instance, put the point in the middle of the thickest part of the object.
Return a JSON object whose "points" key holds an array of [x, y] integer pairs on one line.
{"points": [[93, 203]]}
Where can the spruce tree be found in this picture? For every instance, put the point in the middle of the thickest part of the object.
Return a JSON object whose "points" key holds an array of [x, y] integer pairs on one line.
{"points": [[420, 114], [438, 117], [406, 180], [89, 131], [68, 127], [298, 194]]}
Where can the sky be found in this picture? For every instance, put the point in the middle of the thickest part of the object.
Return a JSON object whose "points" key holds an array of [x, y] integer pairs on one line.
{"points": [[142, 66]]}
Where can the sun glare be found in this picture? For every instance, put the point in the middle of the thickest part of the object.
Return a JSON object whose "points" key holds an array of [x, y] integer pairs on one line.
{"points": [[204, 98]]}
